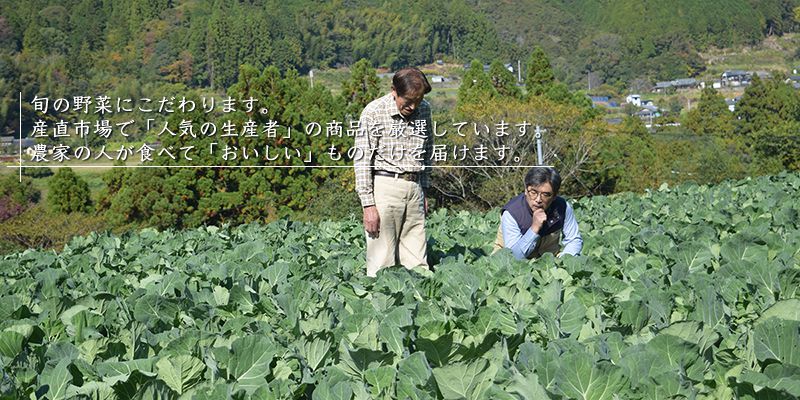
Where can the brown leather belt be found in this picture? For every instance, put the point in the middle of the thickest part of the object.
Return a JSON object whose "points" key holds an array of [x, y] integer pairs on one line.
{"points": [[408, 176]]}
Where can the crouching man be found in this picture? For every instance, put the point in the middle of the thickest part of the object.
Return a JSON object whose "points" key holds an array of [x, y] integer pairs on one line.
{"points": [[538, 221]]}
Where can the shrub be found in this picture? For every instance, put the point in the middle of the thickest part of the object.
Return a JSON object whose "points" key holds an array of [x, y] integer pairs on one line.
{"points": [[68, 192], [39, 227], [37, 172], [16, 196], [334, 200]]}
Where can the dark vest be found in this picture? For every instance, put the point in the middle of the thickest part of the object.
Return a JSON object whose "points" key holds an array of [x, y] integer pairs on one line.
{"points": [[518, 208], [551, 229]]}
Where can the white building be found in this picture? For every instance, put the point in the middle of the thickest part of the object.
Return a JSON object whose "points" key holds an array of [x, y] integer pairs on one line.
{"points": [[634, 99]]}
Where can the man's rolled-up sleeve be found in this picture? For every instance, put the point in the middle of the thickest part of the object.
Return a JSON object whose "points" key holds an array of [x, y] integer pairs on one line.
{"points": [[365, 149]]}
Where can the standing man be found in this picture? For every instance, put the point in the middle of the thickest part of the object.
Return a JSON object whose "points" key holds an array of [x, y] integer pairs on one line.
{"points": [[394, 146], [534, 222]]}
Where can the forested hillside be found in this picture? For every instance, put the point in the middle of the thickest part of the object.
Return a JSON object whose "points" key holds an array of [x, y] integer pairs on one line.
{"points": [[55, 47], [622, 40]]}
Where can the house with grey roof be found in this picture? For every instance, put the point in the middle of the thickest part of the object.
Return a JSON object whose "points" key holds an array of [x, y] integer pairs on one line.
{"points": [[10, 144], [648, 112], [677, 84], [661, 87], [685, 83], [735, 78]]}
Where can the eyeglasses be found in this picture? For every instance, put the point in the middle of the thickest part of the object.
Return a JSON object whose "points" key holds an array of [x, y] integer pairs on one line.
{"points": [[409, 103], [533, 193]]}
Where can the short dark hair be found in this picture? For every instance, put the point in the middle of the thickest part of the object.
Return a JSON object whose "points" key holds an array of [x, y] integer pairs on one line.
{"points": [[410, 80], [539, 175]]}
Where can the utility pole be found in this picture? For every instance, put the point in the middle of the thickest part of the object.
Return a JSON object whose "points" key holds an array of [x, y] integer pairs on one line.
{"points": [[311, 77], [589, 80], [519, 71], [538, 136]]}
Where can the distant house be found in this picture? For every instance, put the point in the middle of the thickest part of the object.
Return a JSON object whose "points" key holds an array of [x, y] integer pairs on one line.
{"points": [[29, 150], [646, 103], [486, 67], [761, 74], [685, 83], [604, 101], [634, 99], [11, 144], [438, 79], [717, 85], [648, 112], [6, 142], [677, 84], [662, 86], [735, 78]]}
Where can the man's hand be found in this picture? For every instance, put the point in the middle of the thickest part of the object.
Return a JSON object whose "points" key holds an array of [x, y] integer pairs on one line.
{"points": [[372, 221], [539, 217]]}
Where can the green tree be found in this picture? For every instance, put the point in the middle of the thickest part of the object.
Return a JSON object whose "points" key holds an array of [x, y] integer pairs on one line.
{"points": [[142, 11], [540, 75], [251, 29], [33, 40], [223, 48], [68, 192], [765, 104], [476, 86], [711, 116], [633, 126], [625, 160], [287, 54], [767, 120], [361, 88], [87, 22], [503, 80]]}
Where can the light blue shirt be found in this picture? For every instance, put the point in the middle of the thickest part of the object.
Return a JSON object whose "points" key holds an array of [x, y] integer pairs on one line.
{"points": [[522, 244]]}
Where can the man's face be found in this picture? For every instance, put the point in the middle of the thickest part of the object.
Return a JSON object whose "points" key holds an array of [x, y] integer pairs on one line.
{"points": [[408, 103], [540, 196]]}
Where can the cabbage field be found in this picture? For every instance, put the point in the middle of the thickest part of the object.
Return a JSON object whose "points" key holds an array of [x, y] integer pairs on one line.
{"points": [[691, 292]]}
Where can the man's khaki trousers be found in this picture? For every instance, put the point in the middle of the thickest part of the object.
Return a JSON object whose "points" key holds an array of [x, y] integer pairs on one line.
{"points": [[401, 239]]}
